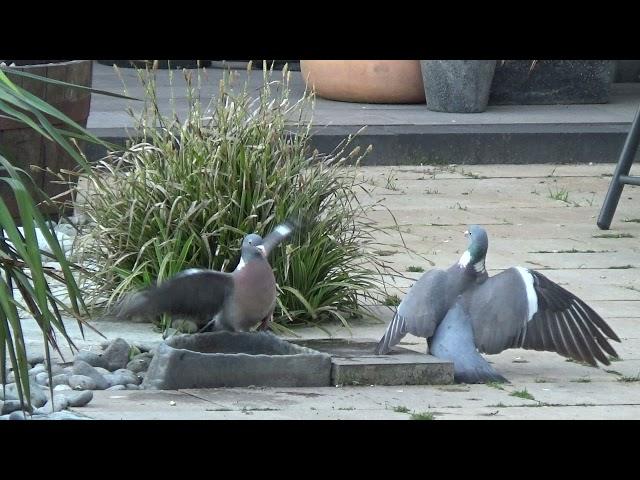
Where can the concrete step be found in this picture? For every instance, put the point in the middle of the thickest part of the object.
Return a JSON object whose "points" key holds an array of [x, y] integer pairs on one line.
{"points": [[406, 134]]}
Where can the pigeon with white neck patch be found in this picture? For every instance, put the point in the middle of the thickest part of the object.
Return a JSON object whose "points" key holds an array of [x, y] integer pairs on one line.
{"points": [[237, 301], [430, 298], [518, 308]]}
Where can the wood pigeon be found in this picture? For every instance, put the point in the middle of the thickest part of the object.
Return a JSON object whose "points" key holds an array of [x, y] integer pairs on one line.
{"points": [[430, 298], [517, 308], [236, 301]]}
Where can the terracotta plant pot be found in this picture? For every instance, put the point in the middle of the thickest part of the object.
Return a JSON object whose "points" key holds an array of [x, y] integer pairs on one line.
{"points": [[365, 81]]}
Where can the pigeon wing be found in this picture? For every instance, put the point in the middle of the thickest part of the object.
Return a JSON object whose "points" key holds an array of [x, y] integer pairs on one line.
{"points": [[278, 235], [521, 308], [192, 293], [420, 311], [565, 324]]}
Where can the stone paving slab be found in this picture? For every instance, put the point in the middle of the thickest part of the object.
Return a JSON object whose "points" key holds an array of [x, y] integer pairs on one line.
{"points": [[517, 236], [332, 398], [143, 405], [551, 400], [598, 412]]}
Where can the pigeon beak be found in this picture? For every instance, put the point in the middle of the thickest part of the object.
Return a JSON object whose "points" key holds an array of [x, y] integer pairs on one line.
{"points": [[466, 233], [262, 250]]}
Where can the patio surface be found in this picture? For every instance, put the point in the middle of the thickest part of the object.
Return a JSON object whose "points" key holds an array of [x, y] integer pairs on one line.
{"points": [[433, 206]]}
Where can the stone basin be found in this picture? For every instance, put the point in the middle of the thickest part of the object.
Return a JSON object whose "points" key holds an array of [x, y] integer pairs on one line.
{"points": [[235, 359]]}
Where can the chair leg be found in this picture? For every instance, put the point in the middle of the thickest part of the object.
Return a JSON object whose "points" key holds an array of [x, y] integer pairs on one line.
{"points": [[624, 166]]}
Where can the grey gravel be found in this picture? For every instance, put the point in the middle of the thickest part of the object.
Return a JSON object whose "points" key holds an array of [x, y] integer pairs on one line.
{"points": [[64, 415], [38, 397], [19, 415], [117, 387], [56, 369], [62, 387], [121, 377], [60, 379], [147, 347], [125, 374], [102, 371], [10, 392], [35, 358], [93, 359], [117, 354], [9, 406], [82, 382], [42, 378], [39, 368], [79, 399], [60, 402], [140, 363], [83, 368]]}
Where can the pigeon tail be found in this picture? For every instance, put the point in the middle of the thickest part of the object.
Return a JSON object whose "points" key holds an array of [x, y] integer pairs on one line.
{"points": [[480, 373], [395, 332], [454, 341]]}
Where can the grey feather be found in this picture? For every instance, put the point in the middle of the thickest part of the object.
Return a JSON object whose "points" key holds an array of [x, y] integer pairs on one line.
{"points": [[278, 235], [425, 305], [498, 311], [396, 330], [193, 293], [563, 323], [454, 341]]}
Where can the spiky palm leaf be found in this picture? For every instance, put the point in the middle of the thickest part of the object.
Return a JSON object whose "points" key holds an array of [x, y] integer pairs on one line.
{"points": [[27, 286]]}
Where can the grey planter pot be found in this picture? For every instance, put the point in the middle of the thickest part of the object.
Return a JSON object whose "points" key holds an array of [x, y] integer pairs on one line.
{"points": [[235, 359], [457, 86], [552, 82], [627, 71]]}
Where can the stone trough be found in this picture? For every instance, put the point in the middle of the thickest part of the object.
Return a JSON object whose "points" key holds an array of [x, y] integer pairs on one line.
{"points": [[235, 359], [226, 359]]}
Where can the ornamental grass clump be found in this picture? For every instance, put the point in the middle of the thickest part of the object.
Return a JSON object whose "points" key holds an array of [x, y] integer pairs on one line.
{"points": [[186, 195]]}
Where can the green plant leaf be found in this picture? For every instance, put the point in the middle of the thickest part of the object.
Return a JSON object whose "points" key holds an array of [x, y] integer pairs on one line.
{"points": [[53, 81]]}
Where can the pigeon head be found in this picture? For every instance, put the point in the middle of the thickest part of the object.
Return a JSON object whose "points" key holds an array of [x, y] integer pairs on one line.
{"points": [[478, 243], [252, 247]]}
